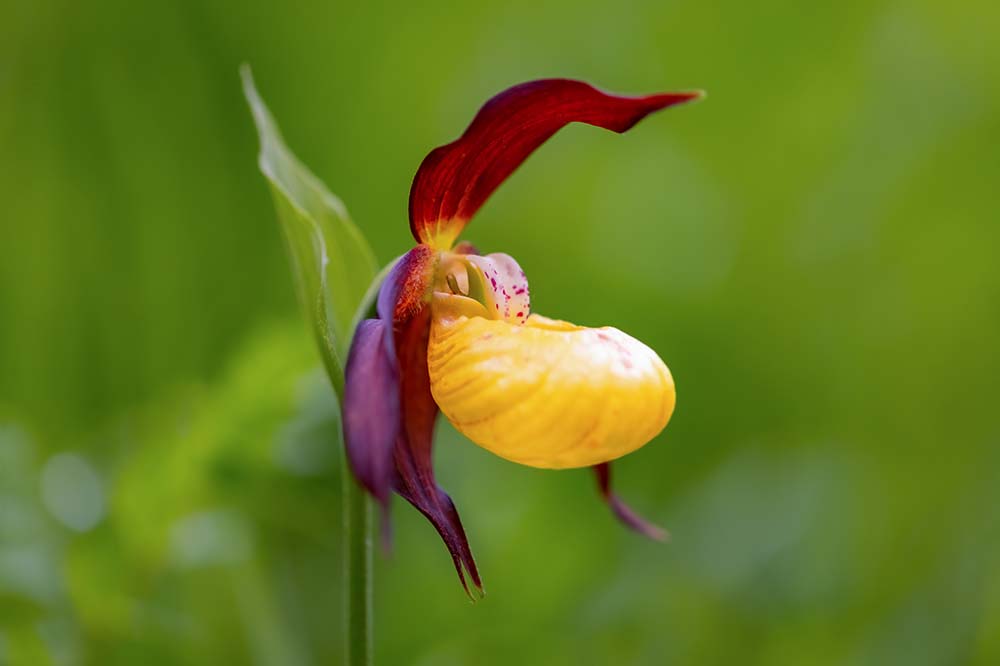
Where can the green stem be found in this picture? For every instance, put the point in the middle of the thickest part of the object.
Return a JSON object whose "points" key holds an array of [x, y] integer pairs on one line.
{"points": [[357, 522], [357, 540]]}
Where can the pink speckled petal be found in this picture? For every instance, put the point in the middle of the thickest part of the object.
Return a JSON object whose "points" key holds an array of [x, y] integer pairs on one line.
{"points": [[498, 282]]}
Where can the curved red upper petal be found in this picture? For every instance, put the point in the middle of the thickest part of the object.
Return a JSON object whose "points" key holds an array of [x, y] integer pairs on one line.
{"points": [[454, 180]]}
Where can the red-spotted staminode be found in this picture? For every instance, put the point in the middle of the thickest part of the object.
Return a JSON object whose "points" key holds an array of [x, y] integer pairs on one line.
{"points": [[455, 333]]}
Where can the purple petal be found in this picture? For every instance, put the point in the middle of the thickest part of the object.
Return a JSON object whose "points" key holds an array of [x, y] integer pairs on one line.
{"points": [[371, 408], [622, 510]]}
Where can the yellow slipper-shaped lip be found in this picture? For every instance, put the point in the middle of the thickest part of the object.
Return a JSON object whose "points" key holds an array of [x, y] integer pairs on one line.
{"points": [[546, 393]]}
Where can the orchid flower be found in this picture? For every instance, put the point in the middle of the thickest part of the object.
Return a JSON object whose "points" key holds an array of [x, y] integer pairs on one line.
{"points": [[455, 333]]}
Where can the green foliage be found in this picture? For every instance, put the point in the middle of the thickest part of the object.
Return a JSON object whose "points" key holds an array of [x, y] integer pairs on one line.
{"points": [[223, 505], [331, 260]]}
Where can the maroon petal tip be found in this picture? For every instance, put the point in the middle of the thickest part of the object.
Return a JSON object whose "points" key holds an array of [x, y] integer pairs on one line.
{"points": [[622, 511], [413, 453], [440, 511]]}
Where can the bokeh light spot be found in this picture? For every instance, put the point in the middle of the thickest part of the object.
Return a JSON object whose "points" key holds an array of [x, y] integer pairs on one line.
{"points": [[72, 491]]}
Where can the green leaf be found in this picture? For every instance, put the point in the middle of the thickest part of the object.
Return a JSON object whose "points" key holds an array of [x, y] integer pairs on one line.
{"points": [[332, 262]]}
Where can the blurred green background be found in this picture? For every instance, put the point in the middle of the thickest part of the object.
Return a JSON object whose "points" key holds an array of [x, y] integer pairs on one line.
{"points": [[811, 250]]}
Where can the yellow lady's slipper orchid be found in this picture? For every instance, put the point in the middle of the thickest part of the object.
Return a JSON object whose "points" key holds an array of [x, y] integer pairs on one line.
{"points": [[455, 333]]}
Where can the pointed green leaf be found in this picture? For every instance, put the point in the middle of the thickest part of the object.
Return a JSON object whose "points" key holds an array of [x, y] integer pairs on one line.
{"points": [[331, 260]]}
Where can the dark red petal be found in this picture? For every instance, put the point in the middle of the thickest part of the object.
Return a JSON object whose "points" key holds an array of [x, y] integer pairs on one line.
{"points": [[407, 287], [622, 510], [371, 408], [456, 179], [414, 448], [388, 394]]}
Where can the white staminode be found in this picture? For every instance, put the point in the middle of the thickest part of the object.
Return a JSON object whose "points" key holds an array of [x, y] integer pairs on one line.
{"points": [[501, 285]]}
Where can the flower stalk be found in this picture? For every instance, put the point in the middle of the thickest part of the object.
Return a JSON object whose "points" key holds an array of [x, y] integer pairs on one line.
{"points": [[356, 537]]}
